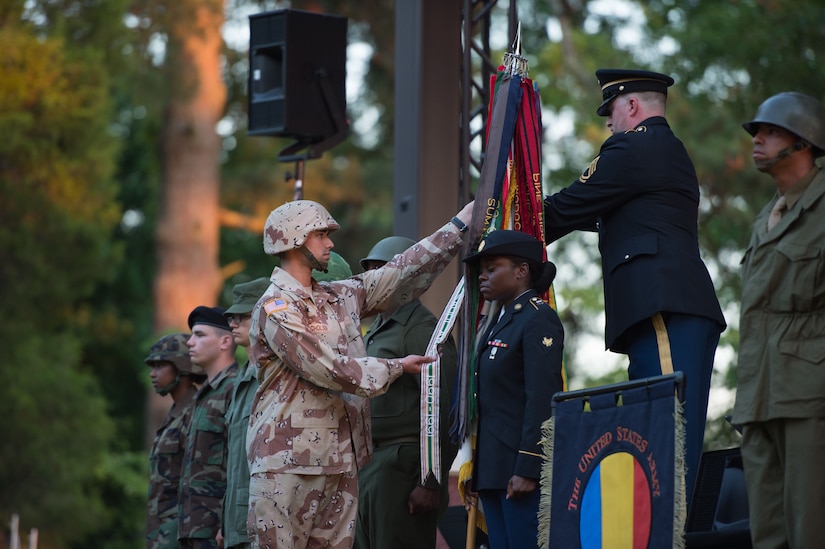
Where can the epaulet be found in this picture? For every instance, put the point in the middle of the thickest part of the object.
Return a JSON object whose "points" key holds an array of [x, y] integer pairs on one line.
{"points": [[637, 129], [537, 302]]}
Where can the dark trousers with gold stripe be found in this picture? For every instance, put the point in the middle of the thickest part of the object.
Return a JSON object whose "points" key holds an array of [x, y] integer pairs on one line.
{"points": [[671, 342]]}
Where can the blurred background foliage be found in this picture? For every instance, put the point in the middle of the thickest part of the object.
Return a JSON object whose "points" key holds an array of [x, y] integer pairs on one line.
{"points": [[83, 85]]}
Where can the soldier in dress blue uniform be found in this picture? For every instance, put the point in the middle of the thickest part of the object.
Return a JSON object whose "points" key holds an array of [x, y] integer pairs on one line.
{"points": [[642, 195], [519, 369]]}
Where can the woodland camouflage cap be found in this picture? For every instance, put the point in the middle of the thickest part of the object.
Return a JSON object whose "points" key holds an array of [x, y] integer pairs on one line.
{"points": [[172, 348], [288, 226]]}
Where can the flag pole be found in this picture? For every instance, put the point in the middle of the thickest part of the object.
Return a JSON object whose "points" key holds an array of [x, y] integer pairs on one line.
{"points": [[471, 527]]}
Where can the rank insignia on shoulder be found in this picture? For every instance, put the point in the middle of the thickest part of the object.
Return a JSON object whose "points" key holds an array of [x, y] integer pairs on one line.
{"points": [[589, 170], [547, 342], [639, 129], [535, 302], [274, 305]]}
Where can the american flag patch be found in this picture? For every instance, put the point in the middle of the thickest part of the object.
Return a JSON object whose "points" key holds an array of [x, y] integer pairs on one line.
{"points": [[274, 305]]}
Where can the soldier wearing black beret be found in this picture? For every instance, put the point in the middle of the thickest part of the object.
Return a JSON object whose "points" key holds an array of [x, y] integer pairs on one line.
{"points": [[203, 482], [519, 364], [642, 196]]}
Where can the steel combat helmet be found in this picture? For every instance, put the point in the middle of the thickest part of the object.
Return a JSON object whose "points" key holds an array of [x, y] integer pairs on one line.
{"points": [[800, 114], [387, 248], [288, 225]]}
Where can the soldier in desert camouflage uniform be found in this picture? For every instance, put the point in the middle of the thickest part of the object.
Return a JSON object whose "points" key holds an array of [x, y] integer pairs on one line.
{"points": [[309, 428], [172, 374], [233, 534], [203, 482]]}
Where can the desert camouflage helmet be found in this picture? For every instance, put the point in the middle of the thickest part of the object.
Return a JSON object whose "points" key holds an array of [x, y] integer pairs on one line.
{"points": [[387, 248], [288, 226], [800, 114], [172, 348]]}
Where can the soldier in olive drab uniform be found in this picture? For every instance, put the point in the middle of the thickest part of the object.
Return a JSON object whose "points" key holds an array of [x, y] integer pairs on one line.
{"points": [[172, 374], [394, 508], [309, 428], [203, 482], [233, 533], [780, 392]]}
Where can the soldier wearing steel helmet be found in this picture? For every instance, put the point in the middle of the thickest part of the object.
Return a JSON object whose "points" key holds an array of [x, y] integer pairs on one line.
{"points": [[172, 374], [395, 509], [780, 395], [309, 431]]}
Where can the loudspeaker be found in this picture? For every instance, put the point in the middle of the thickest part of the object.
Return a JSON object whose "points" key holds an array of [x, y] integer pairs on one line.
{"points": [[297, 73]]}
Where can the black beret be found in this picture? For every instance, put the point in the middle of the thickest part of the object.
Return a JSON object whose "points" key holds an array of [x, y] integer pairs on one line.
{"points": [[510, 243], [615, 82], [211, 316]]}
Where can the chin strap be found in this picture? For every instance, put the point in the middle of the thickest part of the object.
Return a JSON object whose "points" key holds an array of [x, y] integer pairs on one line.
{"points": [[313, 261], [163, 391], [784, 153]]}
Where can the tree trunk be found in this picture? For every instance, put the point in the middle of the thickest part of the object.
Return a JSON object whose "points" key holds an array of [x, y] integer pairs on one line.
{"points": [[188, 273]]}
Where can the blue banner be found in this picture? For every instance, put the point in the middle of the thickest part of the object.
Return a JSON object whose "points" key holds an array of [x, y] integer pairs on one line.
{"points": [[614, 471]]}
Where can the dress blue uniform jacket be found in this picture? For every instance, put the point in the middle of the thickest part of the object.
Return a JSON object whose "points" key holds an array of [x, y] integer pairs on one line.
{"points": [[642, 195], [519, 370]]}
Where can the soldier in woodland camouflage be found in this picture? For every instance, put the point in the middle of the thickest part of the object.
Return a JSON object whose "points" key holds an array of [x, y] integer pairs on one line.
{"points": [[203, 482], [172, 374], [309, 427]]}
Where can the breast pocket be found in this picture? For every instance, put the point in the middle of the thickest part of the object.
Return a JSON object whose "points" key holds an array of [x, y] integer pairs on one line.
{"points": [[797, 278], [210, 443]]}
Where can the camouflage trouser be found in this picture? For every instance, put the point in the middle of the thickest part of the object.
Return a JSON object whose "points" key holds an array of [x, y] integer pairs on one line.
{"points": [[303, 511]]}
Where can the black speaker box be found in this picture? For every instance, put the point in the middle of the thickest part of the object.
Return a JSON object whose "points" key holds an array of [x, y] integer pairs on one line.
{"points": [[290, 52]]}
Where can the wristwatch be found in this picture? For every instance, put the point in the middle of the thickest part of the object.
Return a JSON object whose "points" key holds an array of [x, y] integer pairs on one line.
{"points": [[462, 227]]}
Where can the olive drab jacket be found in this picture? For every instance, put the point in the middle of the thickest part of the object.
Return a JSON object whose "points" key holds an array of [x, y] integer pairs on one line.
{"points": [[311, 414], [781, 371]]}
